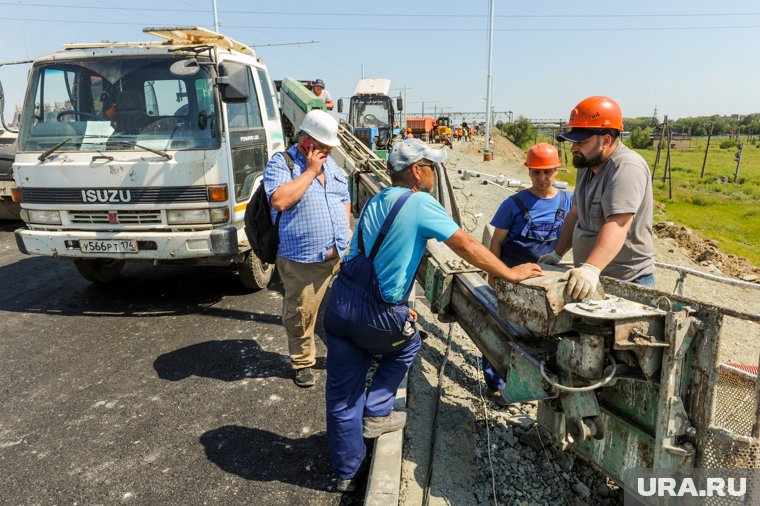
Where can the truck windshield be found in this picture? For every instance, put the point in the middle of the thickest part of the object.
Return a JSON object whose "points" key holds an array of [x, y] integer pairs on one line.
{"points": [[119, 104], [370, 112]]}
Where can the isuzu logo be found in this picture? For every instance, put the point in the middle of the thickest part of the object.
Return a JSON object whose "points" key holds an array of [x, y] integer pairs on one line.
{"points": [[105, 196]]}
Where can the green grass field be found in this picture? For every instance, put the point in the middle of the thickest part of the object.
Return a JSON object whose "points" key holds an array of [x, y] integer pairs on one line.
{"points": [[714, 206]]}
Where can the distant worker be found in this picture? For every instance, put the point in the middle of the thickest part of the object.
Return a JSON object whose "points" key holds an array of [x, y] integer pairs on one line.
{"points": [[318, 87], [312, 194], [610, 224], [408, 134], [527, 226], [367, 314]]}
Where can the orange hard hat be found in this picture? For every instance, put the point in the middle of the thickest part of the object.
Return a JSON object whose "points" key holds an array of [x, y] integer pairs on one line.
{"points": [[543, 156], [596, 112], [408, 130]]}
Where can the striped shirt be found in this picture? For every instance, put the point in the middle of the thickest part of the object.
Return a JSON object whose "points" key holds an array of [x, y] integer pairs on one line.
{"points": [[318, 221]]}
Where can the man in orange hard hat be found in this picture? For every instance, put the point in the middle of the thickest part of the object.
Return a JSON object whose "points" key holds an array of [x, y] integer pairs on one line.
{"points": [[610, 224]]}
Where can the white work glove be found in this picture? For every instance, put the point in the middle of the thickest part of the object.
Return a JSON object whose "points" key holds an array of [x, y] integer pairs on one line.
{"points": [[582, 281], [552, 258]]}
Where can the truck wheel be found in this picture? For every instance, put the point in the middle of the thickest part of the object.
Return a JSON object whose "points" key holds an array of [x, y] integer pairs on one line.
{"points": [[100, 270], [254, 274]]}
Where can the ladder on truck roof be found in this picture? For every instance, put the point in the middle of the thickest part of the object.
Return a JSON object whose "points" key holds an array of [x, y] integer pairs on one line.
{"points": [[194, 35], [176, 36]]}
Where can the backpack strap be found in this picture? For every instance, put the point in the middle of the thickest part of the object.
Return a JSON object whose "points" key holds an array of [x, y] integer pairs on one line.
{"points": [[291, 165], [386, 225]]}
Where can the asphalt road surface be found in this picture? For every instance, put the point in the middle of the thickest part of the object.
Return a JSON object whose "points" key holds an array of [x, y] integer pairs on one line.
{"points": [[170, 386]]}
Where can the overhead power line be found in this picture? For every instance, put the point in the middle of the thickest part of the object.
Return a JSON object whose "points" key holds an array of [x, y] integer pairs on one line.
{"points": [[376, 15], [417, 29]]}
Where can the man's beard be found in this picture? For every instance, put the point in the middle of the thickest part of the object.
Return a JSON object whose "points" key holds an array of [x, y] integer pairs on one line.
{"points": [[580, 161]]}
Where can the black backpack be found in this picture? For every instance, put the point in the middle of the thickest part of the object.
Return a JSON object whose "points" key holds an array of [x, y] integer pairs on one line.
{"points": [[263, 235]]}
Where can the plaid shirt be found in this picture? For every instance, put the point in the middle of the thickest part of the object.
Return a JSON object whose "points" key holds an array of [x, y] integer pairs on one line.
{"points": [[317, 222]]}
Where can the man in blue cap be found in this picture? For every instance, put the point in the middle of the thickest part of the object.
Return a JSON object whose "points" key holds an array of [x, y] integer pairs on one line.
{"points": [[318, 87], [367, 313]]}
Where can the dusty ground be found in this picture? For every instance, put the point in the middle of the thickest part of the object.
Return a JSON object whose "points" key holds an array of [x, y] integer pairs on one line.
{"points": [[522, 467]]}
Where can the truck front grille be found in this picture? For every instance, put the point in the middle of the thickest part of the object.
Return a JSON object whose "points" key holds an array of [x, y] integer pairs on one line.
{"points": [[121, 217]]}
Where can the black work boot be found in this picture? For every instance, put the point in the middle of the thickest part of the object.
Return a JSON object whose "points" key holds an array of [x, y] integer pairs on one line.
{"points": [[304, 378]]}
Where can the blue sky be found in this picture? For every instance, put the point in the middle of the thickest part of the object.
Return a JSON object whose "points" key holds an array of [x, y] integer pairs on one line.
{"points": [[687, 58]]}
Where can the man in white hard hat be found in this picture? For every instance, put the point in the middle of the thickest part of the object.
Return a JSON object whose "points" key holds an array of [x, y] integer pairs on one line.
{"points": [[314, 231]]}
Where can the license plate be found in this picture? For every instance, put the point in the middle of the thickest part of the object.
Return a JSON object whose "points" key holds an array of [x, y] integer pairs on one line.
{"points": [[110, 246]]}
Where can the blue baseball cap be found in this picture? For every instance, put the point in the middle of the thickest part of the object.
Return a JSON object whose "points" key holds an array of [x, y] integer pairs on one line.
{"points": [[410, 151], [318, 82]]}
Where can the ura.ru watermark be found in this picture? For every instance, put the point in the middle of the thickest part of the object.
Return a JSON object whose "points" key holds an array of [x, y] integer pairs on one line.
{"points": [[666, 487]]}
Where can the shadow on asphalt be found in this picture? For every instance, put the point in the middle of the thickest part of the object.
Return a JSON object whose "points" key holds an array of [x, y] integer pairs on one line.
{"points": [[53, 286], [225, 360], [260, 455], [228, 360]]}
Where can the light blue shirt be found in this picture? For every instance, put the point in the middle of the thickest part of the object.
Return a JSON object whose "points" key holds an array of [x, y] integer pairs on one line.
{"points": [[318, 221], [421, 218]]}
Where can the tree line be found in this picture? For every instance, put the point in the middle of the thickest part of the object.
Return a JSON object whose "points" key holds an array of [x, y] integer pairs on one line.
{"points": [[522, 132]]}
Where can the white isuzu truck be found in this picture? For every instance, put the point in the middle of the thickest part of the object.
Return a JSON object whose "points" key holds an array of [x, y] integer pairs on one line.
{"points": [[146, 151]]}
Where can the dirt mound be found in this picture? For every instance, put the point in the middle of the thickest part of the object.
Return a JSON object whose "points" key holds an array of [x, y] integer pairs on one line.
{"points": [[706, 252], [502, 148]]}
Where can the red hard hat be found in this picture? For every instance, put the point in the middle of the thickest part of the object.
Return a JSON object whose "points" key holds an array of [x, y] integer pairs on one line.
{"points": [[543, 156], [596, 112]]}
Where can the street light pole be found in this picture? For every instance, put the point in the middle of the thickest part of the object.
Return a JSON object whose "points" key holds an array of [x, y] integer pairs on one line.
{"points": [[216, 19], [487, 154]]}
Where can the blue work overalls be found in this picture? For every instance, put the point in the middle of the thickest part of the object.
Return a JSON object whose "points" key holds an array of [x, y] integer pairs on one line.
{"points": [[528, 245], [360, 325]]}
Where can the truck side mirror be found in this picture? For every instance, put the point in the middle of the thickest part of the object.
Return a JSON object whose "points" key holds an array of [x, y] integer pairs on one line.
{"points": [[399, 104], [340, 105], [233, 82]]}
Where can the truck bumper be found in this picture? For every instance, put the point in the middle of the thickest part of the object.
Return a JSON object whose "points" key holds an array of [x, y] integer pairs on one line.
{"points": [[150, 245]]}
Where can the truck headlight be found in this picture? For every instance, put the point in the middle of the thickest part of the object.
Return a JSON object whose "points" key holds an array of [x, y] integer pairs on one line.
{"points": [[187, 216], [220, 215], [43, 217]]}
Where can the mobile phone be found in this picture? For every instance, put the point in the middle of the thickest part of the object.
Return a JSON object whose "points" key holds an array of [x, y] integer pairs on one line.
{"points": [[308, 144]]}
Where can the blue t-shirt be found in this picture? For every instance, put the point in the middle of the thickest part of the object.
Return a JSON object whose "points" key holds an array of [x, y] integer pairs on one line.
{"points": [[522, 245], [421, 218]]}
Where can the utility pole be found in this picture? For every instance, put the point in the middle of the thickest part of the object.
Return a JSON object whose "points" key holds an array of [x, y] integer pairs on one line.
{"points": [[487, 154], [707, 148], [738, 160], [659, 145], [216, 19]]}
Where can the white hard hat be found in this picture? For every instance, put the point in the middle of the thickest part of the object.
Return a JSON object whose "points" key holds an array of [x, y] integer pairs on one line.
{"points": [[321, 127]]}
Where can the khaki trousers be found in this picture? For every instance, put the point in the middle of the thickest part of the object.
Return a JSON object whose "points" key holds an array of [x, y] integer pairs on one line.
{"points": [[305, 287]]}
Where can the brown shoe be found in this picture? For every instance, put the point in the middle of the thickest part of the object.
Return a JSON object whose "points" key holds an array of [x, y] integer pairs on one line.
{"points": [[375, 426]]}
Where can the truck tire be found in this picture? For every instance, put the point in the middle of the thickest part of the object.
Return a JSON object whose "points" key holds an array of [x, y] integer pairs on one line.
{"points": [[253, 273], [99, 270]]}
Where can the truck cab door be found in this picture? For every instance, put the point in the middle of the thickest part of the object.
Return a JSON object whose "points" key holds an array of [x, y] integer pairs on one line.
{"points": [[247, 137]]}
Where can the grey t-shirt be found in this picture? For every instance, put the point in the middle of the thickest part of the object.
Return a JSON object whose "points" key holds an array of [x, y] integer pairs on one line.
{"points": [[325, 96], [623, 185]]}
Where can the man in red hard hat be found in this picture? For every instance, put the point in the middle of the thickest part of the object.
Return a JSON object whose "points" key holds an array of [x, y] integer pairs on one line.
{"points": [[610, 224]]}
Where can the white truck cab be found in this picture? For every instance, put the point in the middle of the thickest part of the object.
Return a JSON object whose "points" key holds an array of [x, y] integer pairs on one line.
{"points": [[146, 151]]}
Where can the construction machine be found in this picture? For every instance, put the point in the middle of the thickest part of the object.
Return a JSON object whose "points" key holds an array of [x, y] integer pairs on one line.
{"points": [[442, 129], [371, 115]]}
